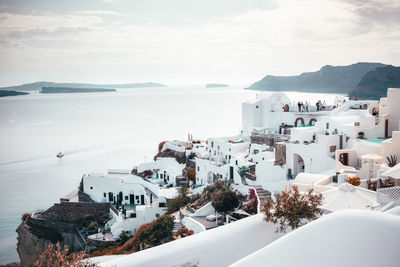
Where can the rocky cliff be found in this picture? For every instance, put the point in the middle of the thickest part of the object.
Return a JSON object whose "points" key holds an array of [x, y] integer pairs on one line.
{"points": [[329, 79], [374, 84], [64, 222]]}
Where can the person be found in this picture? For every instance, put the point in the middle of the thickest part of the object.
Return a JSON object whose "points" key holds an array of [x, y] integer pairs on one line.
{"points": [[317, 104], [299, 106], [306, 106]]}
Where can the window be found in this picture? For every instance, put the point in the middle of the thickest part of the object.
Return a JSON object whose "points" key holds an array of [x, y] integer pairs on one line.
{"points": [[137, 197], [257, 106], [105, 194], [332, 148], [91, 187], [218, 147], [256, 151], [212, 144], [230, 149], [126, 197], [256, 162], [110, 196], [262, 158], [357, 123], [198, 169]]}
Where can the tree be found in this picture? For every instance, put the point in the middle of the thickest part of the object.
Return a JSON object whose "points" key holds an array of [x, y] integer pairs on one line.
{"points": [[225, 201], [293, 209]]}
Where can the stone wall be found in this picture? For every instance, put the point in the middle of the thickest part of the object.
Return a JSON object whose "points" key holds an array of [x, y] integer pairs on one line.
{"points": [[74, 212], [280, 154]]}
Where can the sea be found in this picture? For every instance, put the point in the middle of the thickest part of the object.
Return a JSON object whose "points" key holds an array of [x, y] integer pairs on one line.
{"points": [[97, 131]]}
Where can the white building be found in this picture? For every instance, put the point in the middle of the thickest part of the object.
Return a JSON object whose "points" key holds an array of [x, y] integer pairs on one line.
{"points": [[140, 200]]}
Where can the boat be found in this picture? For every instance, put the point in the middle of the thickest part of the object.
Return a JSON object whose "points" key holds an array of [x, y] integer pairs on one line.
{"points": [[60, 155]]}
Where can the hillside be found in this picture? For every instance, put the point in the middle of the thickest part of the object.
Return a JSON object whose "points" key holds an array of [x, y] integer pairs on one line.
{"points": [[37, 86], [329, 79], [374, 84], [58, 90]]}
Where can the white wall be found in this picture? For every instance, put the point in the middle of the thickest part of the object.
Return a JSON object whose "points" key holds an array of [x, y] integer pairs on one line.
{"points": [[393, 100], [216, 247]]}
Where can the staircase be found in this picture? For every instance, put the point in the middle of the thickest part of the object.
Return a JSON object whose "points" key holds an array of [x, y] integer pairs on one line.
{"points": [[262, 194]]}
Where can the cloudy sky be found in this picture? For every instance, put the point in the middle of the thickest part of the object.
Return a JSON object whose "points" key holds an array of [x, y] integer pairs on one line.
{"points": [[188, 41]]}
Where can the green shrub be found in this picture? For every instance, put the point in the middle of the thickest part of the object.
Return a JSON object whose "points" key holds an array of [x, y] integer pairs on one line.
{"points": [[93, 226]]}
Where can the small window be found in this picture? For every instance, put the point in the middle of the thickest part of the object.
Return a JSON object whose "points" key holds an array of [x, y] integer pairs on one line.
{"points": [[212, 144], [332, 148], [91, 187], [126, 197], [357, 123], [256, 151], [198, 169], [218, 147], [230, 149], [262, 158], [257, 106], [104, 194], [137, 197], [256, 162]]}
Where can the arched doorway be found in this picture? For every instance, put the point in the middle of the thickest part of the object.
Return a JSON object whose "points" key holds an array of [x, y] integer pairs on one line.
{"points": [[301, 120], [312, 121], [298, 164]]}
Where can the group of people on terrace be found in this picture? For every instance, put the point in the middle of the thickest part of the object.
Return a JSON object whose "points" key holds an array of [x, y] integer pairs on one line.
{"points": [[304, 107]]}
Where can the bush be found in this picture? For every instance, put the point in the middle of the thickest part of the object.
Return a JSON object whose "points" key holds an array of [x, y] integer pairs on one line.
{"points": [[293, 209], [25, 217], [148, 235], [55, 256], [225, 201], [354, 181], [183, 232], [92, 226], [176, 203], [191, 174]]}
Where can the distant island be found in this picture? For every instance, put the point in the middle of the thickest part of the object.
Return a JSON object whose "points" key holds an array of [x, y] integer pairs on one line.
{"points": [[37, 86], [4, 93], [57, 90], [329, 79], [208, 85]]}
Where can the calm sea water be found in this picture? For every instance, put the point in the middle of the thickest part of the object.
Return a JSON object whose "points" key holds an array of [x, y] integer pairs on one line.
{"points": [[97, 131]]}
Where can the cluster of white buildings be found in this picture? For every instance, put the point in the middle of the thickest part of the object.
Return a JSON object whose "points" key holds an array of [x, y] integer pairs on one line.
{"points": [[278, 146]]}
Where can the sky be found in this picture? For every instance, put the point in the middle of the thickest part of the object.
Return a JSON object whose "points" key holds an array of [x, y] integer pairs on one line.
{"points": [[188, 41]]}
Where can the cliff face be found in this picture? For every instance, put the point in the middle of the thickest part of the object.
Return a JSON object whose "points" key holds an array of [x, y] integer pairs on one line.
{"points": [[375, 83], [29, 246], [64, 223], [329, 79]]}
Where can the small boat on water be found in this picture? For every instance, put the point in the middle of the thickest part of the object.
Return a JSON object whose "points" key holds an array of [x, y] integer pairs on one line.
{"points": [[60, 155]]}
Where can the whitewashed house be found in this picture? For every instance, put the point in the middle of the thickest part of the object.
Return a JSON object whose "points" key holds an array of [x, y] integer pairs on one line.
{"points": [[137, 200]]}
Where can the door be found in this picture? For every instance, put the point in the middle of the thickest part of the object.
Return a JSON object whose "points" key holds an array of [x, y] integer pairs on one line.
{"points": [[386, 128], [142, 199], [120, 198], [231, 173], [132, 199], [110, 197]]}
